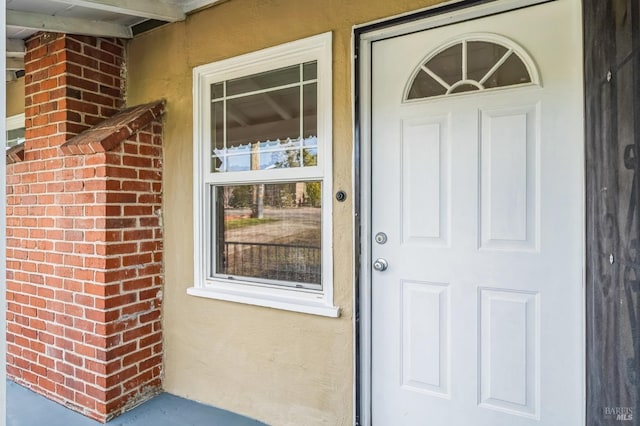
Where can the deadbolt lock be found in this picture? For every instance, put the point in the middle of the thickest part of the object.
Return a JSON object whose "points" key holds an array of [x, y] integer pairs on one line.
{"points": [[381, 238]]}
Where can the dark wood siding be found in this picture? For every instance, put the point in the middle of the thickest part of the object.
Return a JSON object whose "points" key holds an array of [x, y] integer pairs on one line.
{"points": [[612, 88]]}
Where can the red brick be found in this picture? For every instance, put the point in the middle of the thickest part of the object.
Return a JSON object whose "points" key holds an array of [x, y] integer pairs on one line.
{"points": [[65, 368], [121, 376], [95, 393], [65, 392], [84, 350], [73, 253], [75, 360], [55, 376]]}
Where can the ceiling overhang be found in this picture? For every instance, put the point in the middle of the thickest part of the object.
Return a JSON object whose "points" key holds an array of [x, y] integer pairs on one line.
{"points": [[64, 24], [149, 9], [100, 18]]}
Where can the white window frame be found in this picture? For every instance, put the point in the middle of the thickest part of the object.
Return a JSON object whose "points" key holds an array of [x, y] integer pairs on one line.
{"points": [[318, 302], [12, 123]]}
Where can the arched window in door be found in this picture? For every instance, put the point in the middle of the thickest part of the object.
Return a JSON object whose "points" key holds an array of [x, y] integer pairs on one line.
{"points": [[474, 63]]}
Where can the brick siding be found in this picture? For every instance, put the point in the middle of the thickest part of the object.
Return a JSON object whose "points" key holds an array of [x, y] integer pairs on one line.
{"points": [[84, 237]]}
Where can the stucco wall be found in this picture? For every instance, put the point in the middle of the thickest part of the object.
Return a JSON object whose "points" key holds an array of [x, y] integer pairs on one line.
{"points": [[280, 367], [15, 97]]}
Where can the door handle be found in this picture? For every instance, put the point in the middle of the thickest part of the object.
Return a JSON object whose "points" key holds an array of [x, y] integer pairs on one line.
{"points": [[380, 264]]}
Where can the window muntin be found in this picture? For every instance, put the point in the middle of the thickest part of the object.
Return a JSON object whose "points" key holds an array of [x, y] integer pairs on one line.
{"points": [[472, 64], [273, 112], [291, 146]]}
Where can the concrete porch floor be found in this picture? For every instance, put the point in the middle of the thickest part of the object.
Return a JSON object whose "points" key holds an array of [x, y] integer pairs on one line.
{"points": [[26, 408]]}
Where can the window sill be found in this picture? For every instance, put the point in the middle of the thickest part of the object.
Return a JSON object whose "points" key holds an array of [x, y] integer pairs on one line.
{"points": [[295, 301]]}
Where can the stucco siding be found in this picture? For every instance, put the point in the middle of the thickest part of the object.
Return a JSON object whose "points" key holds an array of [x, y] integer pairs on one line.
{"points": [[15, 97], [280, 367]]}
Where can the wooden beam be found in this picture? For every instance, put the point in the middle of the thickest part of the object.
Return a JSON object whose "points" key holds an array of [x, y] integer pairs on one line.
{"points": [[150, 9], [238, 117], [15, 64], [283, 113], [59, 24], [15, 47]]}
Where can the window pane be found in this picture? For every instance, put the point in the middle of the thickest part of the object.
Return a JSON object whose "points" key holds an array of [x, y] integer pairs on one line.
{"points": [[448, 64], [310, 118], [263, 117], [265, 80], [269, 233], [446, 68], [217, 90], [15, 136], [217, 133], [263, 132], [424, 86], [269, 129], [310, 71], [481, 57], [310, 152], [513, 71]]}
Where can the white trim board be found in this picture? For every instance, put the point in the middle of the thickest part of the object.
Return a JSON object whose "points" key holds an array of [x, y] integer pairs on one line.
{"points": [[14, 122], [207, 284]]}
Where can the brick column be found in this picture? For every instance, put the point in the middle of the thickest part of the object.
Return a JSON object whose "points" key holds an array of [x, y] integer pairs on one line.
{"points": [[84, 237], [71, 84]]}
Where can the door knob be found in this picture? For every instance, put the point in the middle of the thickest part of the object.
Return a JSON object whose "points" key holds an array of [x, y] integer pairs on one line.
{"points": [[380, 264]]}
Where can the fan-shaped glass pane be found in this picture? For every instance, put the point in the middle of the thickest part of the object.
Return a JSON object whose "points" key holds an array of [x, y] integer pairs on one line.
{"points": [[481, 57], [424, 86], [512, 71], [448, 64], [487, 65]]}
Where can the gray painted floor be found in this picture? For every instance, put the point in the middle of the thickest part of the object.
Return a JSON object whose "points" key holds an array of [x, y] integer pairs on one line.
{"points": [[26, 408]]}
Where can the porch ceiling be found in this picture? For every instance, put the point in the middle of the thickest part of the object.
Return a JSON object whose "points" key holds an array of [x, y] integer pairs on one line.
{"points": [[108, 18]]}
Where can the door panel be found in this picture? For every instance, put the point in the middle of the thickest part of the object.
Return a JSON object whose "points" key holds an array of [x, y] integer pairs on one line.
{"points": [[425, 172], [478, 318], [508, 178], [425, 348], [509, 347]]}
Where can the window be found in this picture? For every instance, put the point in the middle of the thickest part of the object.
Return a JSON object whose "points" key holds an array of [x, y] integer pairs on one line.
{"points": [[15, 130], [477, 62], [262, 183]]}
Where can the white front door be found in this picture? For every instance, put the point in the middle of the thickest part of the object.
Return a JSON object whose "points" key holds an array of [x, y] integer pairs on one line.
{"points": [[477, 184]]}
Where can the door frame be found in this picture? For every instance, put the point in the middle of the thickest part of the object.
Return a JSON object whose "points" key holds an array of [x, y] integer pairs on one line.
{"points": [[364, 36]]}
